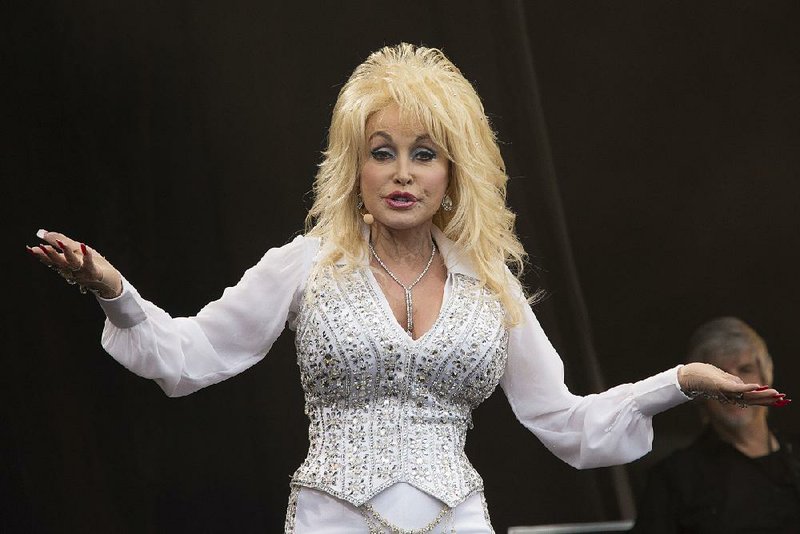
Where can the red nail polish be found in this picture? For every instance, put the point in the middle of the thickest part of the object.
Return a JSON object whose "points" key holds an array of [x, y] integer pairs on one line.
{"points": [[32, 253], [779, 396], [762, 388], [83, 249], [43, 249]]}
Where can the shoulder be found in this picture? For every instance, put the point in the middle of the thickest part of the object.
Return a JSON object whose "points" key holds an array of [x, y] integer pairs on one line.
{"points": [[301, 250], [305, 243], [287, 265]]}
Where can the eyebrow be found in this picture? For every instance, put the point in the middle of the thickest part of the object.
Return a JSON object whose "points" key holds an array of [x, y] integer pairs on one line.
{"points": [[385, 135]]}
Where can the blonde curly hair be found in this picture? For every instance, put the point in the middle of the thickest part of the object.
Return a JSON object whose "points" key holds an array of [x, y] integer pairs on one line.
{"points": [[430, 90]]}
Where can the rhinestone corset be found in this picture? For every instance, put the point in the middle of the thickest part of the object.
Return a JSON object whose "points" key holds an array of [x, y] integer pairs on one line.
{"points": [[384, 408]]}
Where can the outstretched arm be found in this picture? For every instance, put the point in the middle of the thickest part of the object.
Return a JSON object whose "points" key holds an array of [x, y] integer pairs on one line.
{"points": [[607, 428], [184, 354]]}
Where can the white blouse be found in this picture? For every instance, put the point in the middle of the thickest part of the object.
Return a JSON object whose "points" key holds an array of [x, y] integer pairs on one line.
{"points": [[185, 354]]}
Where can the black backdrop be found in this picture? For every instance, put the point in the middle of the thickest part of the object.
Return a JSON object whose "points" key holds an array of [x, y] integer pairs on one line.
{"points": [[180, 139]]}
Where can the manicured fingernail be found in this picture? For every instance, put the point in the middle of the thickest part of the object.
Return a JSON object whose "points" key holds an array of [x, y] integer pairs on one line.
{"points": [[781, 403], [779, 396], [762, 388], [83, 249], [43, 249], [30, 250], [40, 233]]}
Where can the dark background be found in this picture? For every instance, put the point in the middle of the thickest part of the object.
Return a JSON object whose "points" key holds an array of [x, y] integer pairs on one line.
{"points": [[653, 149]]}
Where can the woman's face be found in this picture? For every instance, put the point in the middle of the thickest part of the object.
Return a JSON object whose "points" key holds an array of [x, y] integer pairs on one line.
{"points": [[404, 176]]}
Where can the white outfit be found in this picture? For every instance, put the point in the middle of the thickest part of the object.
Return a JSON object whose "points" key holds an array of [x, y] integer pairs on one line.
{"points": [[402, 504], [388, 414]]}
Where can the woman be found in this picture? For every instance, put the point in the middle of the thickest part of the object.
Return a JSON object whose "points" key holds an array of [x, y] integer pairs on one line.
{"points": [[405, 312]]}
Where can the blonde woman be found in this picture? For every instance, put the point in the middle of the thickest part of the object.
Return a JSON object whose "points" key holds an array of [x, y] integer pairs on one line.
{"points": [[406, 317]]}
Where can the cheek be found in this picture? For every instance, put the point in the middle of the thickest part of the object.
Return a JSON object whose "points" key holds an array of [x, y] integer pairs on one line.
{"points": [[438, 177], [368, 178]]}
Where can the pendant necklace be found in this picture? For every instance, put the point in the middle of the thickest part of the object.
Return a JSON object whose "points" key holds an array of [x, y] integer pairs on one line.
{"points": [[407, 289]]}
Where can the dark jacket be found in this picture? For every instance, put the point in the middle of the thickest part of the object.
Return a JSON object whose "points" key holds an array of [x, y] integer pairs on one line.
{"points": [[710, 487]]}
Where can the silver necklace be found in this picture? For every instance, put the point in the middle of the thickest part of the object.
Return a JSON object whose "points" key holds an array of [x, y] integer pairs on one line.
{"points": [[407, 289]]}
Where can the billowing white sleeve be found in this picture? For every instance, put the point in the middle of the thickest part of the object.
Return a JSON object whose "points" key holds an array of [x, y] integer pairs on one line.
{"points": [[598, 430], [184, 354]]}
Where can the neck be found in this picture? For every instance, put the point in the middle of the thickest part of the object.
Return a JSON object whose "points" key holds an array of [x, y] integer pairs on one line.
{"points": [[407, 247], [752, 440]]}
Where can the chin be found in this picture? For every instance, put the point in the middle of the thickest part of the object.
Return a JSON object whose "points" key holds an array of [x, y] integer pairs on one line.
{"points": [[734, 417], [402, 223]]}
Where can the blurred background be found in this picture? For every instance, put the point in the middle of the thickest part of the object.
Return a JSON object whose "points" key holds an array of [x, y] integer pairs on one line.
{"points": [[653, 150]]}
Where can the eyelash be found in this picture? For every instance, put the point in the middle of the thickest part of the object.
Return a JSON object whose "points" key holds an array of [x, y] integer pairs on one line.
{"points": [[422, 154], [382, 154]]}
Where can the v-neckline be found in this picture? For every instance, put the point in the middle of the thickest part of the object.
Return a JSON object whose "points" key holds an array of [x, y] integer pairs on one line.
{"points": [[383, 303]]}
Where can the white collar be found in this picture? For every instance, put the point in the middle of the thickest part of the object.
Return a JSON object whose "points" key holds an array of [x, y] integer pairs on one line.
{"points": [[455, 258]]}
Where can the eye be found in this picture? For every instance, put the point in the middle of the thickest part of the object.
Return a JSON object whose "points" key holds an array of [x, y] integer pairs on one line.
{"points": [[382, 154], [424, 154], [747, 368]]}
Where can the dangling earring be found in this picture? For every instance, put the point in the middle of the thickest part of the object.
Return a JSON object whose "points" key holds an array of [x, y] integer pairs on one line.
{"points": [[368, 218], [447, 203]]}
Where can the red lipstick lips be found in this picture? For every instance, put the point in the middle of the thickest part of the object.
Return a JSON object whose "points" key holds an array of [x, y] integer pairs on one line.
{"points": [[400, 200]]}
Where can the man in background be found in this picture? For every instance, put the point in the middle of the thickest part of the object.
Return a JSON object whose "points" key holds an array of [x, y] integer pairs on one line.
{"points": [[738, 476]]}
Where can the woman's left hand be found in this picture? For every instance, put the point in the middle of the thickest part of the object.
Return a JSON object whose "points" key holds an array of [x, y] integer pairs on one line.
{"points": [[705, 380]]}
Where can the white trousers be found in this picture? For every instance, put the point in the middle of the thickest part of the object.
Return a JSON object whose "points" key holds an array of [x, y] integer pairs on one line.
{"points": [[403, 505]]}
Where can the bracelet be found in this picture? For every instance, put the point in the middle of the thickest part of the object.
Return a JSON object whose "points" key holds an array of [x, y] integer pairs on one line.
{"points": [[69, 276], [737, 399]]}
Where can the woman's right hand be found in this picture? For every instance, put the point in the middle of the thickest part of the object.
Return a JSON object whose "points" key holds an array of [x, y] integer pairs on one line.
{"points": [[78, 264], [705, 380]]}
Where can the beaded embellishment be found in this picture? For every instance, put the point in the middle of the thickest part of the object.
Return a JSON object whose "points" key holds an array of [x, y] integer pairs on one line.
{"points": [[291, 510], [383, 407]]}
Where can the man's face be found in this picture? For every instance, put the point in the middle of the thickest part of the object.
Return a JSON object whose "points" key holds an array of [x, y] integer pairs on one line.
{"points": [[731, 416]]}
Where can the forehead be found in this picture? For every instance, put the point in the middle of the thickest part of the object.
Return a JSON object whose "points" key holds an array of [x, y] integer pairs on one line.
{"points": [[392, 119], [734, 360]]}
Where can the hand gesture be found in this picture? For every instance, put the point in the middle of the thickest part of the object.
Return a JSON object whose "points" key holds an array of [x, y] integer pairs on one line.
{"points": [[704, 380], [78, 264]]}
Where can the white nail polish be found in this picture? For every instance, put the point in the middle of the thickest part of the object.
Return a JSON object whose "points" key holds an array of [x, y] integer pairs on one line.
{"points": [[40, 233]]}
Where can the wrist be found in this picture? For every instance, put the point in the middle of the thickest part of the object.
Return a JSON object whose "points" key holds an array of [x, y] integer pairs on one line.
{"points": [[682, 380], [108, 294], [105, 287], [109, 289]]}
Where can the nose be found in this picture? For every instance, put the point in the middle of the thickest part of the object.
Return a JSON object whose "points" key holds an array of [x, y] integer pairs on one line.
{"points": [[403, 175]]}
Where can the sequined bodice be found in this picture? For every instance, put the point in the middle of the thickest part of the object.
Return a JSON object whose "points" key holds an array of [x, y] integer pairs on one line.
{"points": [[384, 408]]}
